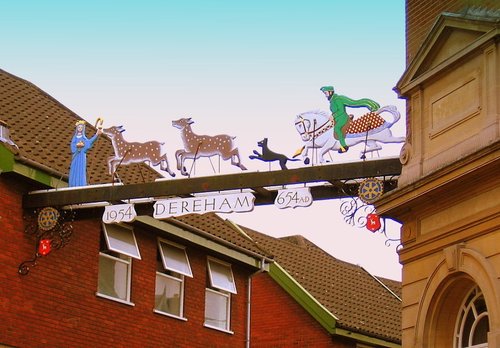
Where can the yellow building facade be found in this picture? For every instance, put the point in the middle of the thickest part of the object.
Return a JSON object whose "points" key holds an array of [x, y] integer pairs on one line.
{"points": [[448, 195]]}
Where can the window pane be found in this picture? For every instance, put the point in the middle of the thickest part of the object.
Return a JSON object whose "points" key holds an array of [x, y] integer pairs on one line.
{"points": [[469, 321], [113, 277], [480, 334], [216, 310], [121, 240], [168, 295], [175, 259], [472, 325], [221, 276], [480, 305]]}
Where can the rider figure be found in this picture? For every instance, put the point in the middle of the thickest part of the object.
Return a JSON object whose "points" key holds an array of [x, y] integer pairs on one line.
{"points": [[338, 104]]}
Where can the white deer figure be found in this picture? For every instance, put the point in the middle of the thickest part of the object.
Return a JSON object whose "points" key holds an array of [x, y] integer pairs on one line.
{"points": [[196, 146], [134, 152]]}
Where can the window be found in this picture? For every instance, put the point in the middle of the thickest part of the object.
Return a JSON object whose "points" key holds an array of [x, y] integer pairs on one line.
{"points": [[114, 276], [174, 258], [218, 295], [169, 291], [121, 239], [221, 276], [118, 247], [472, 327], [217, 309]]}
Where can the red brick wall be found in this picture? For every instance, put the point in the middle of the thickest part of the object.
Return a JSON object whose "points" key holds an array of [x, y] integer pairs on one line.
{"points": [[55, 304], [279, 322], [421, 15]]}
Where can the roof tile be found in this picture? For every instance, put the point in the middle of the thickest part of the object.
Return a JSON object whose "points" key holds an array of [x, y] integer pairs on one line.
{"points": [[42, 128], [348, 291]]}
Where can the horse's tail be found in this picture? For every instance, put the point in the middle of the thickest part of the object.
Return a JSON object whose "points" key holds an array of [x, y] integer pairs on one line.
{"points": [[393, 111]]}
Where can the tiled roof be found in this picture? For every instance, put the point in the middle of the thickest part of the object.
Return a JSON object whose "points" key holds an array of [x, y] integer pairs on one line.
{"points": [[348, 291], [42, 128], [213, 224]]}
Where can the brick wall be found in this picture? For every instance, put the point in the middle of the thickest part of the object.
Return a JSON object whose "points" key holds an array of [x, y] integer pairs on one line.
{"points": [[55, 304], [278, 321], [421, 15]]}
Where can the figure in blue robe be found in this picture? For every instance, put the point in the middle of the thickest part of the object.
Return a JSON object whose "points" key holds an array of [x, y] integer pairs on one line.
{"points": [[80, 144]]}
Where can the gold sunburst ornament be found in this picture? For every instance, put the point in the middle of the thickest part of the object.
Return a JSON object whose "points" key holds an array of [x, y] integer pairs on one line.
{"points": [[370, 189], [47, 218]]}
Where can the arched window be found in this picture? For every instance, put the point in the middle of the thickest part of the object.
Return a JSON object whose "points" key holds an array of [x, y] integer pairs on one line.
{"points": [[472, 326]]}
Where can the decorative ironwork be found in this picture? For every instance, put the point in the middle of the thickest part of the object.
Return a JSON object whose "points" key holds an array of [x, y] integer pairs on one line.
{"points": [[47, 224], [356, 210]]}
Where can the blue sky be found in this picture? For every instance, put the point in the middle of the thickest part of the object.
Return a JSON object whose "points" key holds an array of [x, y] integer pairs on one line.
{"points": [[243, 68]]}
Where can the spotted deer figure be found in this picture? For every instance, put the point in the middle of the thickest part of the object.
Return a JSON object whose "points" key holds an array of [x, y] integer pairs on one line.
{"points": [[134, 152], [196, 146]]}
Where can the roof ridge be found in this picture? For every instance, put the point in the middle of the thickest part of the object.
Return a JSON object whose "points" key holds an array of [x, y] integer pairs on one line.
{"points": [[241, 230], [383, 284], [31, 84], [301, 247]]}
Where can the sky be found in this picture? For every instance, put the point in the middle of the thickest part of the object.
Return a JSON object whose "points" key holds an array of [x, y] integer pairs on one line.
{"points": [[242, 68]]}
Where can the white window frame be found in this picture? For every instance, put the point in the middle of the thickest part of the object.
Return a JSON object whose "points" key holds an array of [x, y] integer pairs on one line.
{"points": [[181, 295], [219, 289], [227, 296], [213, 281], [112, 245], [467, 307], [177, 274], [165, 258], [127, 260]]}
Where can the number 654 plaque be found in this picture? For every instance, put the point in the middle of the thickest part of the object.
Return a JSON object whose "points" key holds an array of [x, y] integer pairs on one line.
{"points": [[293, 197]]}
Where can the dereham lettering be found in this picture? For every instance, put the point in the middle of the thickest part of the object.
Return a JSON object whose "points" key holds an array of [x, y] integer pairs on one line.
{"points": [[241, 202]]}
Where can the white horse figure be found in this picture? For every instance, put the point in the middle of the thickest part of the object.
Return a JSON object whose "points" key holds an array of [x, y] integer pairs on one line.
{"points": [[316, 130]]}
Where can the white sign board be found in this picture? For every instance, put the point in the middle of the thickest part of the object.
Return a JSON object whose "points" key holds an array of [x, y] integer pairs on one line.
{"points": [[114, 214], [294, 197], [222, 203]]}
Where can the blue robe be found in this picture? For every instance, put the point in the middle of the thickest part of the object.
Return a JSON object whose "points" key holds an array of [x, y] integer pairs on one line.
{"points": [[78, 167]]}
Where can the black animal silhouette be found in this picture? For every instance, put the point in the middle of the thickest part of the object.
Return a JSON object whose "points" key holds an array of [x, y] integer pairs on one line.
{"points": [[270, 156]]}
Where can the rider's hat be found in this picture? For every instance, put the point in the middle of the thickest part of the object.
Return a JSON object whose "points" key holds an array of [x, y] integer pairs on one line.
{"points": [[326, 89]]}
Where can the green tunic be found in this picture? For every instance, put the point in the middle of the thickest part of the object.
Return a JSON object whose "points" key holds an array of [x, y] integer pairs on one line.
{"points": [[338, 104]]}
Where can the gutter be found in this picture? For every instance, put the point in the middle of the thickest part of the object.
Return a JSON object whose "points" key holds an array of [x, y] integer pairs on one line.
{"points": [[42, 167], [319, 312], [10, 162], [204, 239], [366, 339]]}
